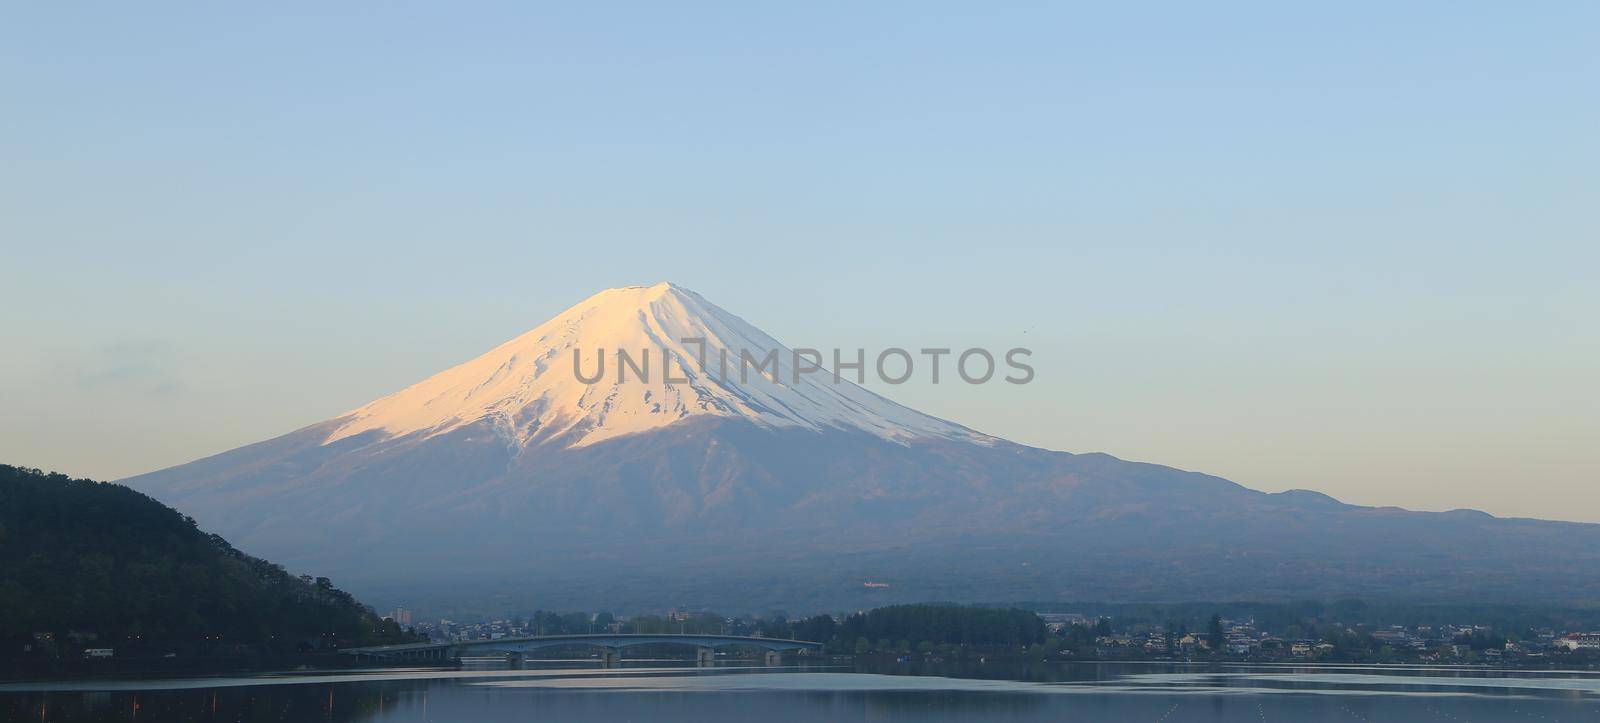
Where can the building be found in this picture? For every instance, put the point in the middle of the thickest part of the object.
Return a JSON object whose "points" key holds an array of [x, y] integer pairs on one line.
{"points": [[1056, 622], [1580, 641]]}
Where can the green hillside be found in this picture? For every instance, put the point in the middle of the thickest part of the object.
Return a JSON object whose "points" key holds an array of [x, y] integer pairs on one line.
{"points": [[92, 564]]}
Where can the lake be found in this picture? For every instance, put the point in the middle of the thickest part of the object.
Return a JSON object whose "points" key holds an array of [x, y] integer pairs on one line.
{"points": [[839, 691]]}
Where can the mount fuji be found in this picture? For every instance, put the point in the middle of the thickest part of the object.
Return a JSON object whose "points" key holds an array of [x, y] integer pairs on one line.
{"points": [[511, 482]]}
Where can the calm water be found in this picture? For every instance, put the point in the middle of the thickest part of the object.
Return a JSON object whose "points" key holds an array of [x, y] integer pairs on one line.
{"points": [[665, 691]]}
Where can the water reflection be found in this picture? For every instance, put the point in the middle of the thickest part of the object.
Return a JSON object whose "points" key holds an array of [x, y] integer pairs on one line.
{"points": [[867, 691]]}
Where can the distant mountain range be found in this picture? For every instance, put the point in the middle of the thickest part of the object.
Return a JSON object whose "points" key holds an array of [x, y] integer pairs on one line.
{"points": [[509, 482]]}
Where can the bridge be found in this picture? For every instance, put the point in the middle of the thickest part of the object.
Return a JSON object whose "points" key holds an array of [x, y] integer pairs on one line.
{"points": [[610, 645]]}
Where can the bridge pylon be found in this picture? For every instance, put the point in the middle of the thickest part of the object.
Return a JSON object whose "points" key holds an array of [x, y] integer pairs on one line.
{"points": [[705, 656], [611, 657]]}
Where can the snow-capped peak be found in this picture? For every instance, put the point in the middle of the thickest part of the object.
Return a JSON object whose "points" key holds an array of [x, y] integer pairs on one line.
{"points": [[532, 391]]}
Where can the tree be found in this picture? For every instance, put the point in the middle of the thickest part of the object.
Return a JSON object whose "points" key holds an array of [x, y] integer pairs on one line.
{"points": [[1214, 636], [954, 624], [820, 628]]}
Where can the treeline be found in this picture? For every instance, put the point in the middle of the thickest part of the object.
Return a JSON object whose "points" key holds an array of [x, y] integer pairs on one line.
{"points": [[544, 622], [945, 625], [1308, 615], [883, 629], [92, 564]]}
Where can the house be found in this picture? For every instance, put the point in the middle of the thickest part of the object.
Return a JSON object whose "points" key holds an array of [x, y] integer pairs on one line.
{"points": [[1391, 636], [1580, 641]]}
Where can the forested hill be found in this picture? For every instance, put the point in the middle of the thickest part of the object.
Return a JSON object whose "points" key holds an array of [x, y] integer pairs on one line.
{"points": [[93, 564]]}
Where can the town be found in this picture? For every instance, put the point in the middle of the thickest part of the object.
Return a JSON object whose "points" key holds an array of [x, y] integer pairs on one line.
{"points": [[938, 632]]}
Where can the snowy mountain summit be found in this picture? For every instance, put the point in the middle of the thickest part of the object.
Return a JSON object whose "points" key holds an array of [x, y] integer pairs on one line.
{"points": [[634, 359]]}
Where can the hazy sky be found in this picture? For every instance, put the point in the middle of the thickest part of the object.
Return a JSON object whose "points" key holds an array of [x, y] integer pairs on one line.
{"points": [[1351, 248]]}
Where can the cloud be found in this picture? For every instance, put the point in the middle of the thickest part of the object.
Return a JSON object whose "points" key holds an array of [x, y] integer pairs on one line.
{"points": [[148, 367]]}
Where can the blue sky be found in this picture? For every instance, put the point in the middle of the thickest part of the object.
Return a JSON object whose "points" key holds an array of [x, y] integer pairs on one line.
{"points": [[1350, 248]]}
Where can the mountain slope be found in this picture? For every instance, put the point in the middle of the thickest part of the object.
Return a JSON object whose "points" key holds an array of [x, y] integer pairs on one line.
{"points": [[86, 557], [508, 474]]}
